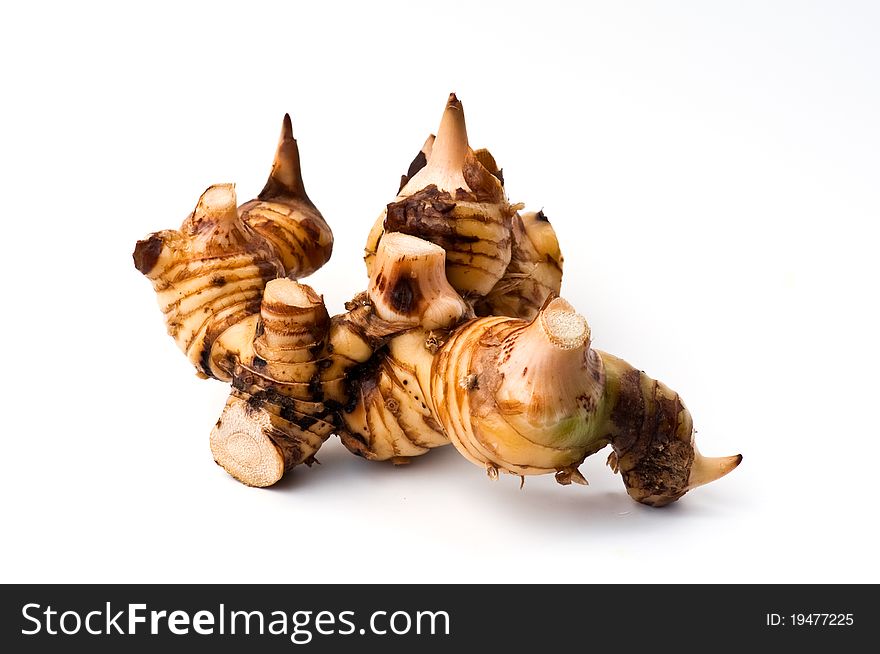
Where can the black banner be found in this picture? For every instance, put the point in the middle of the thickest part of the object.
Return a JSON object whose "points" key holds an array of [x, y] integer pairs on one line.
{"points": [[318, 618]]}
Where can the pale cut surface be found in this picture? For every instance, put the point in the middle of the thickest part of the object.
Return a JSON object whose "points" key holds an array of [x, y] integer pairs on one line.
{"points": [[408, 283], [398, 244], [565, 328], [218, 197], [239, 444], [286, 291]]}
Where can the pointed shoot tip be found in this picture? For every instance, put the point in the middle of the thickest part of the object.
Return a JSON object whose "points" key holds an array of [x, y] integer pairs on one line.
{"points": [[286, 128], [707, 469]]}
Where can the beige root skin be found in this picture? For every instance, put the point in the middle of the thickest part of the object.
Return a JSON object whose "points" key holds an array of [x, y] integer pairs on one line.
{"points": [[409, 290], [444, 168], [390, 413], [277, 396], [534, 272], [286, 217], [213, 278], [408, 284], [456, 203], [292, 334], [542, 238], [208, 276], [419, 162], [354, 337], [406, 369], [652, 433], [531, 398], [488, 162], [521, 397]]}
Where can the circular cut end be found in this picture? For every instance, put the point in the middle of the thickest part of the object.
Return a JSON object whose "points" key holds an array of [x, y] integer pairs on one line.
{"points": [[408, 283], [565, 328], [217, 198], [288, 292], [398, 245], [240, 445]]}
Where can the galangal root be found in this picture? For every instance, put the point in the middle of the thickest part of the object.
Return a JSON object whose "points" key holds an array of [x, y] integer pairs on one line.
{"points": [[460, 337]]}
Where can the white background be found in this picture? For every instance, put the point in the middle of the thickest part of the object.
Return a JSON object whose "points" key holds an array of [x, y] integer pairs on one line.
{"points": [[712, 172]]}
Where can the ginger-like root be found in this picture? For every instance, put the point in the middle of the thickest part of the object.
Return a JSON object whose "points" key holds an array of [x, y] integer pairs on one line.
{"points": [[408, 284], [533, 397], [521, 396], [652, 433], [506, 264], [390, 410], [407, 367], [277, 396], [389, 413], [291, 336], [242, 442], [256, 445], [534, 272], [209, 276], [456, 203], [285, 215]]}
